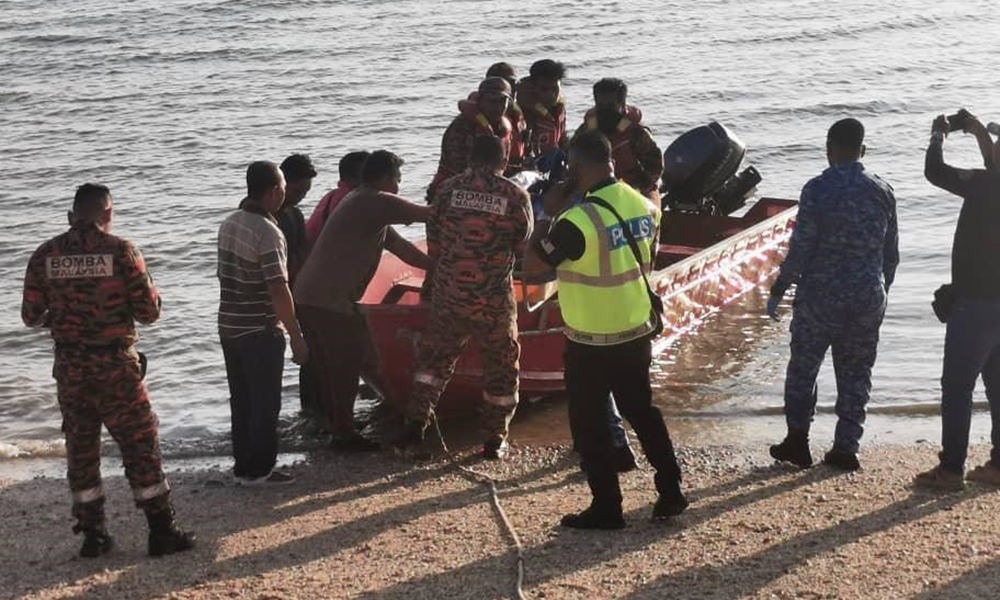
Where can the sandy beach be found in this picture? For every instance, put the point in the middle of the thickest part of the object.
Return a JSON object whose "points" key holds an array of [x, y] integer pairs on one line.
{"points": [[379, 526]]}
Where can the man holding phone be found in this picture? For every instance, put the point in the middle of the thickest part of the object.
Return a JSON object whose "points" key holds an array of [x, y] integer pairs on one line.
{"points": [[972, 341]]}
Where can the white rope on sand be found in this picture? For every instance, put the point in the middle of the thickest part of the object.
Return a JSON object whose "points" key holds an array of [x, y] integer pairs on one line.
{"points": [[484, 479]]}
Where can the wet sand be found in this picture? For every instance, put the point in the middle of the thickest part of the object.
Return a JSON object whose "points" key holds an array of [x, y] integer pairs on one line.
{"points": [[378, 526]]}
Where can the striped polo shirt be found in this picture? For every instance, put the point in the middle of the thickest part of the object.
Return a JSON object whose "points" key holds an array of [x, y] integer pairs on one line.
{"points": [[252, 253]]}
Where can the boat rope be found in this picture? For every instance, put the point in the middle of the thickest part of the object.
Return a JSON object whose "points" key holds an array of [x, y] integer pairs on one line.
{"points": [[491, 483]]}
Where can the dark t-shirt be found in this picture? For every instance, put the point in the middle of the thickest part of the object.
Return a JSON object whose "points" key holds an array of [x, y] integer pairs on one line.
{"points": [[975, 254], [292, 223]]}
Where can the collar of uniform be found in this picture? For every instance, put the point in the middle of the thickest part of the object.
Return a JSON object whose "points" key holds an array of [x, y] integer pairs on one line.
{"points": [[848, 165], [602, 184]]}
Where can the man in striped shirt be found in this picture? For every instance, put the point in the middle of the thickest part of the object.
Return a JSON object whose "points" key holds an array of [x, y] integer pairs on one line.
{"points": [[254, 311]]}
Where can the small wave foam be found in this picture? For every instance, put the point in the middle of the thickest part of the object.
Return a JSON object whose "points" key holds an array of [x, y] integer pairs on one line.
{"points": [[32, 449]]}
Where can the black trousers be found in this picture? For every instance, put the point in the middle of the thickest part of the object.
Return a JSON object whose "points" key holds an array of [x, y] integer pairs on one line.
{"points": [[254, 366], [591, 373]]}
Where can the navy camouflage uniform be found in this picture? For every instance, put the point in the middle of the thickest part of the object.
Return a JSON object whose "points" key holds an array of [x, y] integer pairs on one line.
{"points": [[89, 287], [842, 257]]}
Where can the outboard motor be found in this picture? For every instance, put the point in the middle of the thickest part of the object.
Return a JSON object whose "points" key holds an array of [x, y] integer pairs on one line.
{"points": [[699, 172]]}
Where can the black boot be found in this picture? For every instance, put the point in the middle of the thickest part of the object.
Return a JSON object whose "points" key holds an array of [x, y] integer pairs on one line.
{"points": [[840, 459], [595, 517], [96, 543], [410, 434], [165, 537], [670, 504], [495, 448], [794, 449]]}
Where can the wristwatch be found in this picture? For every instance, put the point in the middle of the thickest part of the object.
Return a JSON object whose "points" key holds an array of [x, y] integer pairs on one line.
{"points": [[937, 136]]}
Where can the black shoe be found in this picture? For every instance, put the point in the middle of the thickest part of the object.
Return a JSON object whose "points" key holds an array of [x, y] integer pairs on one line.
{"points": [[670, 505], [595, 518], [495, 448], [410, 434], [794, 449], [354, 442], [165, 537], [842, 460], [96, 543]]}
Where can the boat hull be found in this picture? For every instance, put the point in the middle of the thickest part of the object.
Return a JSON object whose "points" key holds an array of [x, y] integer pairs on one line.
{"points": [[703, 263]]}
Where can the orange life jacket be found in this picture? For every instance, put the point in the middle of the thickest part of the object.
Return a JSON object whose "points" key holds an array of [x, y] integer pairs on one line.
{"points": [[626, 163], [469, 110], [546, 126]]}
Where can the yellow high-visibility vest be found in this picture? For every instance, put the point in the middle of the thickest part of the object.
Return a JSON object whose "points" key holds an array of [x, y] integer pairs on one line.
{"points": [[602, 294]]}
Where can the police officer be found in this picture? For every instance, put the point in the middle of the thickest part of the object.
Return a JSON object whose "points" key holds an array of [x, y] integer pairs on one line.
{"points": [[479, 224], [607, 310], [89, 287], [842, 256]]}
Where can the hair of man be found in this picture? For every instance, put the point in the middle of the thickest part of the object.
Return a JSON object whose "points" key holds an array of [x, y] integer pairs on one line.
{"points": [[487, 151], [379, 165], [262, 177], [297, 167], [351, 164], [502, 69], [548, 69], [611, 85], [91, 200], [591, 147], [848, 134]]}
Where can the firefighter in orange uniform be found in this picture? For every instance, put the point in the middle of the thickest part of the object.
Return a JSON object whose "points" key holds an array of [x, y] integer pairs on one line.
{"points": [[479, 224], [89, 287]]}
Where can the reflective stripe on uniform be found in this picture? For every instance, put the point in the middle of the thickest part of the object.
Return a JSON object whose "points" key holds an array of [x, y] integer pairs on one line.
{"points": [[428, 380], [603, 243], [609, 281], [509, 400], [608, 339], [88, 495], [148, 493]]}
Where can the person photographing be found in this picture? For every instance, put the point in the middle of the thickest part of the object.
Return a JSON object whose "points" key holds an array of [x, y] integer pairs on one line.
{"points": [[972, 339]]}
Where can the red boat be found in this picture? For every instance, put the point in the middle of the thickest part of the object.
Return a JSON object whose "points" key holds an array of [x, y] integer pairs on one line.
{"points": [[703, 262]]}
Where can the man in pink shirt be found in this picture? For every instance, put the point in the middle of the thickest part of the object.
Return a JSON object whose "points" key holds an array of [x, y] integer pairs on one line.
{"points": [[350, 177]]}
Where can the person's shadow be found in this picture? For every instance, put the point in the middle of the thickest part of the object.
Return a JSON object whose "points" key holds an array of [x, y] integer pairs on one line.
{"points": [[237, 527]]}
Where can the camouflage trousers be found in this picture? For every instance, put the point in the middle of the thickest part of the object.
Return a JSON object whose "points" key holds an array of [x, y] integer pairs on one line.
{"points": [[105, 387], [441, 346], [851, 332]]}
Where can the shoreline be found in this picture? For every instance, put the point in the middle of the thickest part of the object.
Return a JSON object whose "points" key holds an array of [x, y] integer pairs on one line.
{"points": [[377, 526]]}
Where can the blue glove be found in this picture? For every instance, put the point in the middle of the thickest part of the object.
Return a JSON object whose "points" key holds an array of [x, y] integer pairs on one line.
{"points": [[772, 307]]}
